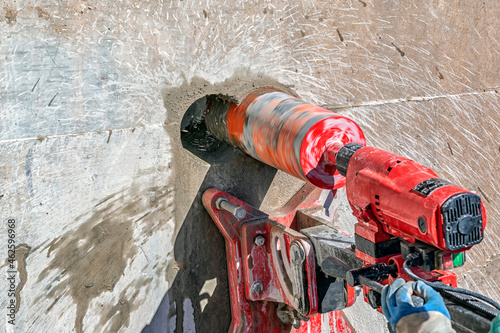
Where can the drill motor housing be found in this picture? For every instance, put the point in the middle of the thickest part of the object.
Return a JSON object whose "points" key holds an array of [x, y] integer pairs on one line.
{"points": [[394, 196]]}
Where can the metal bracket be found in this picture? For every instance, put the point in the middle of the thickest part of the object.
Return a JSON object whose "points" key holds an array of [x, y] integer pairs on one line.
{"points": [[271, 267], [282, 269]]}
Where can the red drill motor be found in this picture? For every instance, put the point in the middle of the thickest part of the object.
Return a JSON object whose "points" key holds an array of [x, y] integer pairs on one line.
{"points": [[395, 196], [402, 208]]}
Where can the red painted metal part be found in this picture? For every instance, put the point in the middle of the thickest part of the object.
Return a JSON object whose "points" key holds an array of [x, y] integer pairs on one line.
{"points": [[446, 277], [290, 134], [248, 263], [269, 263], [380, 191]]}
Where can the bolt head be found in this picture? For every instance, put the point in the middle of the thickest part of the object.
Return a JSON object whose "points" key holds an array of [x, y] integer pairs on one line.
{"points": [[259, 240], [257, 287], [240, 213]]}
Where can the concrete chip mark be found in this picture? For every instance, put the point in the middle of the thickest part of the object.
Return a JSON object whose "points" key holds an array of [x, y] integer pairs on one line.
{"points": [[10, 15], [109, 136], [91, 259], [401, 53], [22, 252], [363, 3], [440, 75]]}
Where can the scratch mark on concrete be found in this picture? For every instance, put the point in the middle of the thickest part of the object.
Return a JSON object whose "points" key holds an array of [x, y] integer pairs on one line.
{"points": [[340, 35], [82, 133], [50, 103], [440, 75], [35, 85], [483, 194], [408, 99], [449, 147], [399, 50], [364, 3], [144, 253]]}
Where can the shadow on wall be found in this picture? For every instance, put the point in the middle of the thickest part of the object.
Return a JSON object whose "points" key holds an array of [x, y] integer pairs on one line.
{"points": [[199, 252]]}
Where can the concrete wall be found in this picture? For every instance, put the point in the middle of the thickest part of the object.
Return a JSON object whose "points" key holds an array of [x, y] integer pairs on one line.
{"points": [[110, 231]]}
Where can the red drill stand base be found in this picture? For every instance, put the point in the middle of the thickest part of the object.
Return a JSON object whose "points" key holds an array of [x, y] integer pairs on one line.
{"points": [[272, 268]]}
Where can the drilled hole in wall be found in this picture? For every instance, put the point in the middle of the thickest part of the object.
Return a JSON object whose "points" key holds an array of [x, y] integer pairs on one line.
{"points": [[197, 139]]}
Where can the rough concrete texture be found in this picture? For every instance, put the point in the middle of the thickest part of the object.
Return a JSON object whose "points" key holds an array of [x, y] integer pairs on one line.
{"points": [[111, 233]]}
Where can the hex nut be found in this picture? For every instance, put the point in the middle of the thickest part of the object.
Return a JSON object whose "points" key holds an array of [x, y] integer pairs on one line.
{"points": [[259, 240]]}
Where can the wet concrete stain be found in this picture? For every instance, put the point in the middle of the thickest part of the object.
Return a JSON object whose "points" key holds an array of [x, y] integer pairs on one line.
{"points": [[22, 252], [118, 315], [10, 16], [43, 14], [91, 259]]}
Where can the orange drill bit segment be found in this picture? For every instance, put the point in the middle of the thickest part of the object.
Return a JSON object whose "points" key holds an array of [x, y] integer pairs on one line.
{"points": [[287, 133]]}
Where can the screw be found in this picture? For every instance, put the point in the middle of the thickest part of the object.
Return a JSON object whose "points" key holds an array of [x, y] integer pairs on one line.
{"points": [[236, 211], [257, 287], [421, 224], [259, 240]]}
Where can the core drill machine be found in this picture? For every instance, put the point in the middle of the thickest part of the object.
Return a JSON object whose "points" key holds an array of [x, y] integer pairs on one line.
{"points": [[293, 271]]}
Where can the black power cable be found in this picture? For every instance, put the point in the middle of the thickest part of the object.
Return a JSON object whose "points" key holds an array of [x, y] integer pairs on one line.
{"points": [[442, 287]]}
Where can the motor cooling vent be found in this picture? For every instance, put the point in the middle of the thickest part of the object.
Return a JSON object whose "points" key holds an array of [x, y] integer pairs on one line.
{"points": [[462, 221]]}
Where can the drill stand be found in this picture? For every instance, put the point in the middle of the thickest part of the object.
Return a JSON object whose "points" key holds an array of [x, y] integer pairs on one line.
{"points": [[275, 282]]}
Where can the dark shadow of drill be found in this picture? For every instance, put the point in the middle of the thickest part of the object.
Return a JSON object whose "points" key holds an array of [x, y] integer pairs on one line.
{"points": [[200, 253]]}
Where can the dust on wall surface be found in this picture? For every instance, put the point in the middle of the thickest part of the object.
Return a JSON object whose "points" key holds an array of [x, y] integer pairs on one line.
{"points": [[109, 226]]}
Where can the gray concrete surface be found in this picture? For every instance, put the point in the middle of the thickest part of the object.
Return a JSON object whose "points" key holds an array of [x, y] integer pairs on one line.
{"points": [[111, 235]]}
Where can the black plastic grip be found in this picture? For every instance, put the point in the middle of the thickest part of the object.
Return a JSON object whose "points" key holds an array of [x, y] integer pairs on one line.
{"points": [[344, 156]]}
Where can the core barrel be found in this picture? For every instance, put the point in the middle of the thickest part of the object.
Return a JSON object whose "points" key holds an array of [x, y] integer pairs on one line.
{"points": [[286, 133]]}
